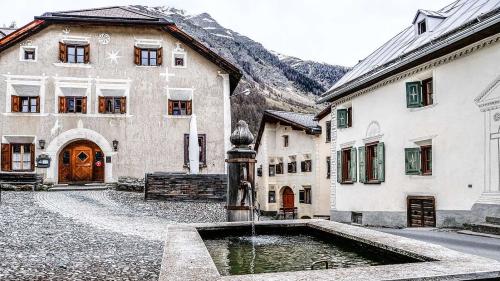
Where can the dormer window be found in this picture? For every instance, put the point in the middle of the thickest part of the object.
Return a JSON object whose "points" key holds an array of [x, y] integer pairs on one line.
{"points": [[421, 27]]}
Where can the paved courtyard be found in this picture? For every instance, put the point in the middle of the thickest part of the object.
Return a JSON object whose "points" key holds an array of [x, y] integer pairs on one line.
{"points": [[89, 235]]}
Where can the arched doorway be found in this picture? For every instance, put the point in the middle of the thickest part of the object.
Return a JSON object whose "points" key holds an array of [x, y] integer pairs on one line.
{"points": [[81, 161], [288, 198]]}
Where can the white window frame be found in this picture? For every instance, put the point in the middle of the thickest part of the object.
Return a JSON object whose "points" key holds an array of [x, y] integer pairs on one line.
{"points": [[76, 83], [112, 84], [23, 48], [179, 51], [26, 80]]}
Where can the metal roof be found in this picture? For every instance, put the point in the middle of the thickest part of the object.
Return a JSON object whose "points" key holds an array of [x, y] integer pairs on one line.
{"points": [[455, 16], [303, 119], [4, 31], [115, 12]]}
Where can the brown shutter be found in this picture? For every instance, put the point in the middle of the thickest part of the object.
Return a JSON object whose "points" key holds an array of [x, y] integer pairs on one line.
{"points": [[15, 103], [137, 56], [159, 58], [6, 157], [203, 145], [123, 105], [84, 105], [86, 53], [102, 104], [62, 52], [62, 104], [170, 107], [38, 104], [32, 151], [189, 107], [186, 149]]}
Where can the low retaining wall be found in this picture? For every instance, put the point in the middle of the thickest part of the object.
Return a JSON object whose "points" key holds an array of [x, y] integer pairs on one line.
{"points": [[130, 184], [176, 186]]}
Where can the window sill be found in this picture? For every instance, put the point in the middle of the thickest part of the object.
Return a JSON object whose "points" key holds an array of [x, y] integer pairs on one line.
{"points": [[347, 182], [73, 65], [100, 115], [176, 66], [148, 66], [201, 166], [373, 182], [414, 109], [25, 114], [177, 116], [27, 60]]}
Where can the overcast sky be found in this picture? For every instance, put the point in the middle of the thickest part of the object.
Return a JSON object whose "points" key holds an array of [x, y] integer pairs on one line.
{"points": [[332, 31]]}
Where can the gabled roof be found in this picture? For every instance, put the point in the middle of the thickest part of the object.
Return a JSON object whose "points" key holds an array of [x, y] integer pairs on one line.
{"points": [[465, 22], [298, 121], [428, 13], [120, 15]]}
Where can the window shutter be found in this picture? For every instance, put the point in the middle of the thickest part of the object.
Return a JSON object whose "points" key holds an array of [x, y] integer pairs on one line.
{"points": [[362, 165], [159, 59], [137, 56], [170, 107], [102, 104], [15, 103], [32, 151], [38, 104], [189, 108], [412, 161], [123, 105], [86, 53], [84, 105], [303, 166], [342, 118], [62, 52], [204, 150], [62, 104], [354, 165], [380, 162], [339, 166], [6, 157], [414, 94]]}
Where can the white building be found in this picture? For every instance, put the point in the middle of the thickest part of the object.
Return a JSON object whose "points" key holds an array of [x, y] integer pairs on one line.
{"points": [[416, 124], [292, 169]]}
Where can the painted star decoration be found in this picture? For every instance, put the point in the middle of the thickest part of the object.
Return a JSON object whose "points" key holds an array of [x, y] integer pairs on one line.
{"points": [[113, 56]]}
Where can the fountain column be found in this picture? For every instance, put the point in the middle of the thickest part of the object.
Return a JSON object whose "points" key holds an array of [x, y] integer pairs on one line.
{"points": [[241, 175]]}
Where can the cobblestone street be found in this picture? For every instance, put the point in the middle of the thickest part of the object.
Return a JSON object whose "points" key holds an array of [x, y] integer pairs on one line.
{"points": [[89, 235]]}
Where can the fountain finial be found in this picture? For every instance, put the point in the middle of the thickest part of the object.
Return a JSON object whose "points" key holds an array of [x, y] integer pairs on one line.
{"points": [[241, 135]]}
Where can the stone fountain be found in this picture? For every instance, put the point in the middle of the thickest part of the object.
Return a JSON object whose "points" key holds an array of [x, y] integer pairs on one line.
{"points": [[241, 175]]}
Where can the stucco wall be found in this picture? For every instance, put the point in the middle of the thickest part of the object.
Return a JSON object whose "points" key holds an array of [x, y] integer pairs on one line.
{"points": [[454, 124], [149, 140]]}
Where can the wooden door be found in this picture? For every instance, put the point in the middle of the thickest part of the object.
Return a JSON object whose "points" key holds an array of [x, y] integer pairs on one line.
{"points": [[288, 198], [421, 212], [81, 162]]}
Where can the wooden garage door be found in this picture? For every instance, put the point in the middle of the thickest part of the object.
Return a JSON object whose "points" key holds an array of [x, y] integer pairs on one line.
{"points": [[421, 212]]}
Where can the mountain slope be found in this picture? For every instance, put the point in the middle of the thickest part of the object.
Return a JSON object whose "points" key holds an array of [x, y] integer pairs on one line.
{"points": [[270, 80]]}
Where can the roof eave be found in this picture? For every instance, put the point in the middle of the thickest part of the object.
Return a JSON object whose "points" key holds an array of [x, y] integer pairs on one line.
{"points": [[481, 30]]}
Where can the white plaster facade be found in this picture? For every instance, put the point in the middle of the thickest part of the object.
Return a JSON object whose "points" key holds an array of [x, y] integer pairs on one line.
{"points": [[462, 125]]}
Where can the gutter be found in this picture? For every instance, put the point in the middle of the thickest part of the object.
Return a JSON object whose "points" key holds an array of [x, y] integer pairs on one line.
{"points": [[398, 67]]}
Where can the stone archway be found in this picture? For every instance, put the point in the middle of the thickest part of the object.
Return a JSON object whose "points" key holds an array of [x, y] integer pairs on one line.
{"points": [[57, 144]]}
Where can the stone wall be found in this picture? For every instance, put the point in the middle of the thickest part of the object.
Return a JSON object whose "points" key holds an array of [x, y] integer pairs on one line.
{"points": [[176, 186], [130, 184]]}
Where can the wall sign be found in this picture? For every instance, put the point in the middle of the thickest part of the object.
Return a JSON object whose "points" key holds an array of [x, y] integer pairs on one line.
{"points": [[43, 161], [108, 159]]}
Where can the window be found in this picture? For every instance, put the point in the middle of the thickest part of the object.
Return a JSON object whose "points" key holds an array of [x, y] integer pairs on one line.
{"points": [[25, 104], [328, 131], [18, 157], [176, 107], [422, 27], [29, 54], [272, 170], [279, 168], [372, 163], [72, 104], [357, 218], [259, 171], [202, 142], [419, 93], [292, 167], [148, 56], [112, 105], [271, 197], [74, 53], [346, 165], [179, 60], [344, 118], [306, 166], [285, 141], [305, 196], [328, 167], [418, 160]]}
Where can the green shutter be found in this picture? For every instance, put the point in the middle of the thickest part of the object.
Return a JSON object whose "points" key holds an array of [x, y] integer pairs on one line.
{"points": [[412, 161], [380, 162], [362, 166], [342, 118], [339, 167], [414, 94], [353, 167]]}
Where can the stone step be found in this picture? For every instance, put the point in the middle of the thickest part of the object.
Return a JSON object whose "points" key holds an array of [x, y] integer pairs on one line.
{"points": [[78, 188], [486, 228], [493, 220]]}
